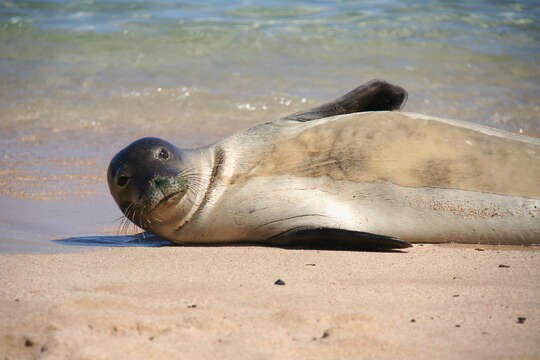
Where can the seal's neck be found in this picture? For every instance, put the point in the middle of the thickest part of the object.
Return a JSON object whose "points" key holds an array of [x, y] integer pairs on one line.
{"points": [[210, 161]]}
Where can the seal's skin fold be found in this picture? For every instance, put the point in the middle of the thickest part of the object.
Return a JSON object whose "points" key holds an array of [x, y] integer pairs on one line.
{"points": [[397, 177]]}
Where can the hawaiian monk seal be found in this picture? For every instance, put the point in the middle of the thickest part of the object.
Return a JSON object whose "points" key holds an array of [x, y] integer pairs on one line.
{"points": [[376, 179]]}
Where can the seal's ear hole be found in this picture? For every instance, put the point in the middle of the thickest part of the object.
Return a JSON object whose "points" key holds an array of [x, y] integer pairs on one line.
{"points": [[163, 154], [122, 181]]}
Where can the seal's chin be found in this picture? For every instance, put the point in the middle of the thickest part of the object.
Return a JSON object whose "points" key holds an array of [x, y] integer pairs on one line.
{"points": [[156, 207], [166, 211]]}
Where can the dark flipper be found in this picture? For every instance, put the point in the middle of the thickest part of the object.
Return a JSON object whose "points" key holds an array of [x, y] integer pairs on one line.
{"points": [[330, 237], [375, 95]]}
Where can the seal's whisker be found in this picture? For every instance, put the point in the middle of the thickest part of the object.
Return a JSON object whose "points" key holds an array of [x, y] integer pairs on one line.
{"points": [[119, 220], [140, 219], [190, 172], [123, 226], [132, 215], [125, 222], [120, 224], [196, 179]]}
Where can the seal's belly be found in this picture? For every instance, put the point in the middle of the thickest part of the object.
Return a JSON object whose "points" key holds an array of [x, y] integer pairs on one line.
{"points": [[266, 206]]}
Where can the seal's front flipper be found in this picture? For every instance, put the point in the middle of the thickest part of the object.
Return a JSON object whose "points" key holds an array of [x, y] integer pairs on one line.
{"points": [[331, 237], [375, 95]]}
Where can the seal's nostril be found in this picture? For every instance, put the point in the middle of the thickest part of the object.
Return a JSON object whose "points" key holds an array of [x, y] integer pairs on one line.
{"points": [[122, 181]]}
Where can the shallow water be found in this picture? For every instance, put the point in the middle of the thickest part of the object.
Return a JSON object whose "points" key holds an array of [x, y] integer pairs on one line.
{"points": [[81, 79]]}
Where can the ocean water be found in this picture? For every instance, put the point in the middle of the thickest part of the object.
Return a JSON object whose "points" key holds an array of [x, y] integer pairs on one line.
{"points": [[81, 79]]}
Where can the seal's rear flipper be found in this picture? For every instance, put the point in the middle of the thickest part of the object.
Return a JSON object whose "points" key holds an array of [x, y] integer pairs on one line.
{"points": [[375, 95], [330, 237]]}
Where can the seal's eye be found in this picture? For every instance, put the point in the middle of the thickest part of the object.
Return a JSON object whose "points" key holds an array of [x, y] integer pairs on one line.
{"points": [[163, 154], [122, 181]]}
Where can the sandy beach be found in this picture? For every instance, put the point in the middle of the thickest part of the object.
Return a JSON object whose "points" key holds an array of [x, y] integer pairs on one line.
{"points": [[431, 301]]}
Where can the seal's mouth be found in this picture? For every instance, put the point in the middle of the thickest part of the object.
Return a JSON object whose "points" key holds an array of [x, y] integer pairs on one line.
{"points": [[166, 198], [161, 190]]}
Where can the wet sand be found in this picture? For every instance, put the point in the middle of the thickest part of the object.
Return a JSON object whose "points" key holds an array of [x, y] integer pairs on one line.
{"points": [[431, 301]]}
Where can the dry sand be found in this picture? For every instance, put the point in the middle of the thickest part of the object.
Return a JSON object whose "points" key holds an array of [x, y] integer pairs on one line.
{"points": [[431, 301]]}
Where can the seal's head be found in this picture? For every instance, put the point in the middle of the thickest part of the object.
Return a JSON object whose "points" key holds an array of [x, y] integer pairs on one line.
{"points": [[150, 182]]}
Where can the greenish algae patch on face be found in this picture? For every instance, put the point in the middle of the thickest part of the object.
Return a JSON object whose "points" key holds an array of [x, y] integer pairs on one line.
{"points": [[408, 151], [162, 187]]}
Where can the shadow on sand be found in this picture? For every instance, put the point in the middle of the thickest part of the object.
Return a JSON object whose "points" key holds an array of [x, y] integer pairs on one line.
{"points": [[138, 240], [146, 239]]}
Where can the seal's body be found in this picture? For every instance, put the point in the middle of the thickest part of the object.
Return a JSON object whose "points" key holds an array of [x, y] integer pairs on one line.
{"points": [[379, 179]]}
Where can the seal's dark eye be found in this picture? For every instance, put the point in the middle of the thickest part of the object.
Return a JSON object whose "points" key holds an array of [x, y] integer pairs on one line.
{"points": [[163, 154], [122, 181]]}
